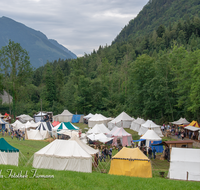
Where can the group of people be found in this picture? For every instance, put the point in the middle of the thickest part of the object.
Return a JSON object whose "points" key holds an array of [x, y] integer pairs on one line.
{"points": [[150, 152], [105, 153]]}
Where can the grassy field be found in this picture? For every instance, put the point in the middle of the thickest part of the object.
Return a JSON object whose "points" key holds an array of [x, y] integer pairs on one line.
{"points": [[78, 180]]}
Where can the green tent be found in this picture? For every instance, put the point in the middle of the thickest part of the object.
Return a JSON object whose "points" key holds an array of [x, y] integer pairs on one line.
{"points": [[66, 125], [5, 147]]}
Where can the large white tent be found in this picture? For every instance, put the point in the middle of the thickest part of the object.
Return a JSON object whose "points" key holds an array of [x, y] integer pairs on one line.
{"points": [[149, 136], [122, 120], [31, 125], [34, 135], [181, 121], [150, 125], [97, 119], [24, 118], [88, 116], [84, 146], [63, 155], [18, 125], [184, 164], [99, 128], [65, 116], [136, 124], [99, 137]]}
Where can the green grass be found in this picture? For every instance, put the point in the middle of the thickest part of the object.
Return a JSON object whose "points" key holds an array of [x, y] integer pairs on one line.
{"points": [[79, 180]]}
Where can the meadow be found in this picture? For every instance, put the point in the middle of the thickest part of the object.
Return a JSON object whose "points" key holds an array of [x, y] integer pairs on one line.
{"points": [[26, 177]]}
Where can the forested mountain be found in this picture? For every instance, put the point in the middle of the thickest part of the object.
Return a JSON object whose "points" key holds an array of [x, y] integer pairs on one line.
{"points": [[156, 13], [154, 76], [40, 48]]}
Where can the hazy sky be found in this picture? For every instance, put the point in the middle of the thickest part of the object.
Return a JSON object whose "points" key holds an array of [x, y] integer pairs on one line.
{"points": [[79, 25]]}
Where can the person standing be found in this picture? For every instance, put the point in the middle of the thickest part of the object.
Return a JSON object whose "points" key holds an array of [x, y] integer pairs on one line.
{"points": [[154, 152], [150, 153]]}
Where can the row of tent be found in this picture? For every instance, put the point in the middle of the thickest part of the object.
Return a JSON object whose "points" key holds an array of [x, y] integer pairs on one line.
{"points": [[125, 121]]}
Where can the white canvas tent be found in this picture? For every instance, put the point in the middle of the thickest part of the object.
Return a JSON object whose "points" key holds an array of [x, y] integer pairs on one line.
{"points": [[122, 120], [68, 132], [65, 116], [150, 135], [88, 116], [24, 118], [39, 117], [99, 137], [34, 135], [136, 124], [150, 125], [31, 125], [181, 121], [192, 128], [63, 155], [99, 128], [97, 119], [18, 125], [184, 164], [84, 146]]}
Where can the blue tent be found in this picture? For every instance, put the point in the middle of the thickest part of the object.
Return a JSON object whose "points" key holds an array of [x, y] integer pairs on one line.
{"points": [[76, 118], [158, 146]]}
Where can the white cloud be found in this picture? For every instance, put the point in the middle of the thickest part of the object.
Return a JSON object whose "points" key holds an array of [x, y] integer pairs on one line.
{"points": [[79, 25]]}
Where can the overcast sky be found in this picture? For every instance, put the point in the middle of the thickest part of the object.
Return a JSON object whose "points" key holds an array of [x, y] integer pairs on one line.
{"points": [[79, 25]]}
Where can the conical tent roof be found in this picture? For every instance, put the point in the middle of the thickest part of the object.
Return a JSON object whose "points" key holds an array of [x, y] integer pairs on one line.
{"points": [[151, 135], [150, 124], [122, 117], [139, 121], [99, 128], [113, 130], [66, 112], [88, 116], [130, 153], [6, 147], [65, 125], [181, 121], [121, 132], [98, 117], [194, 124]]}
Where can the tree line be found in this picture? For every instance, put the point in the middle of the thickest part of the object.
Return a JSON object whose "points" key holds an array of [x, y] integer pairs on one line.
{"points": [[154, 77]]}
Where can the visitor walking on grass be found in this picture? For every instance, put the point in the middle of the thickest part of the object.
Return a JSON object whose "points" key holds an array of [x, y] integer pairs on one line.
{"points": [[150, 153], [154, 152]]}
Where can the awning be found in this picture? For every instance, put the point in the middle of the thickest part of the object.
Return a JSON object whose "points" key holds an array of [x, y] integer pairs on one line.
{"points": [[191, 128], [139, 140]]}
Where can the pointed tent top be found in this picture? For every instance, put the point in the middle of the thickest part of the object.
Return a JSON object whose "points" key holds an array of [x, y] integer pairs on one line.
{"points": [[139, 121], [6, 147], [99, 128], [130, 153], [98, 117], [122, 117], [151, 135], [181, 121], [121, 132], [66, 112], [149, 124]]}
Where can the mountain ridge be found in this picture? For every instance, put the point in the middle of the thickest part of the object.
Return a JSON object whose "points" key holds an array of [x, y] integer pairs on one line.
{"points": [[40, 48]]}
